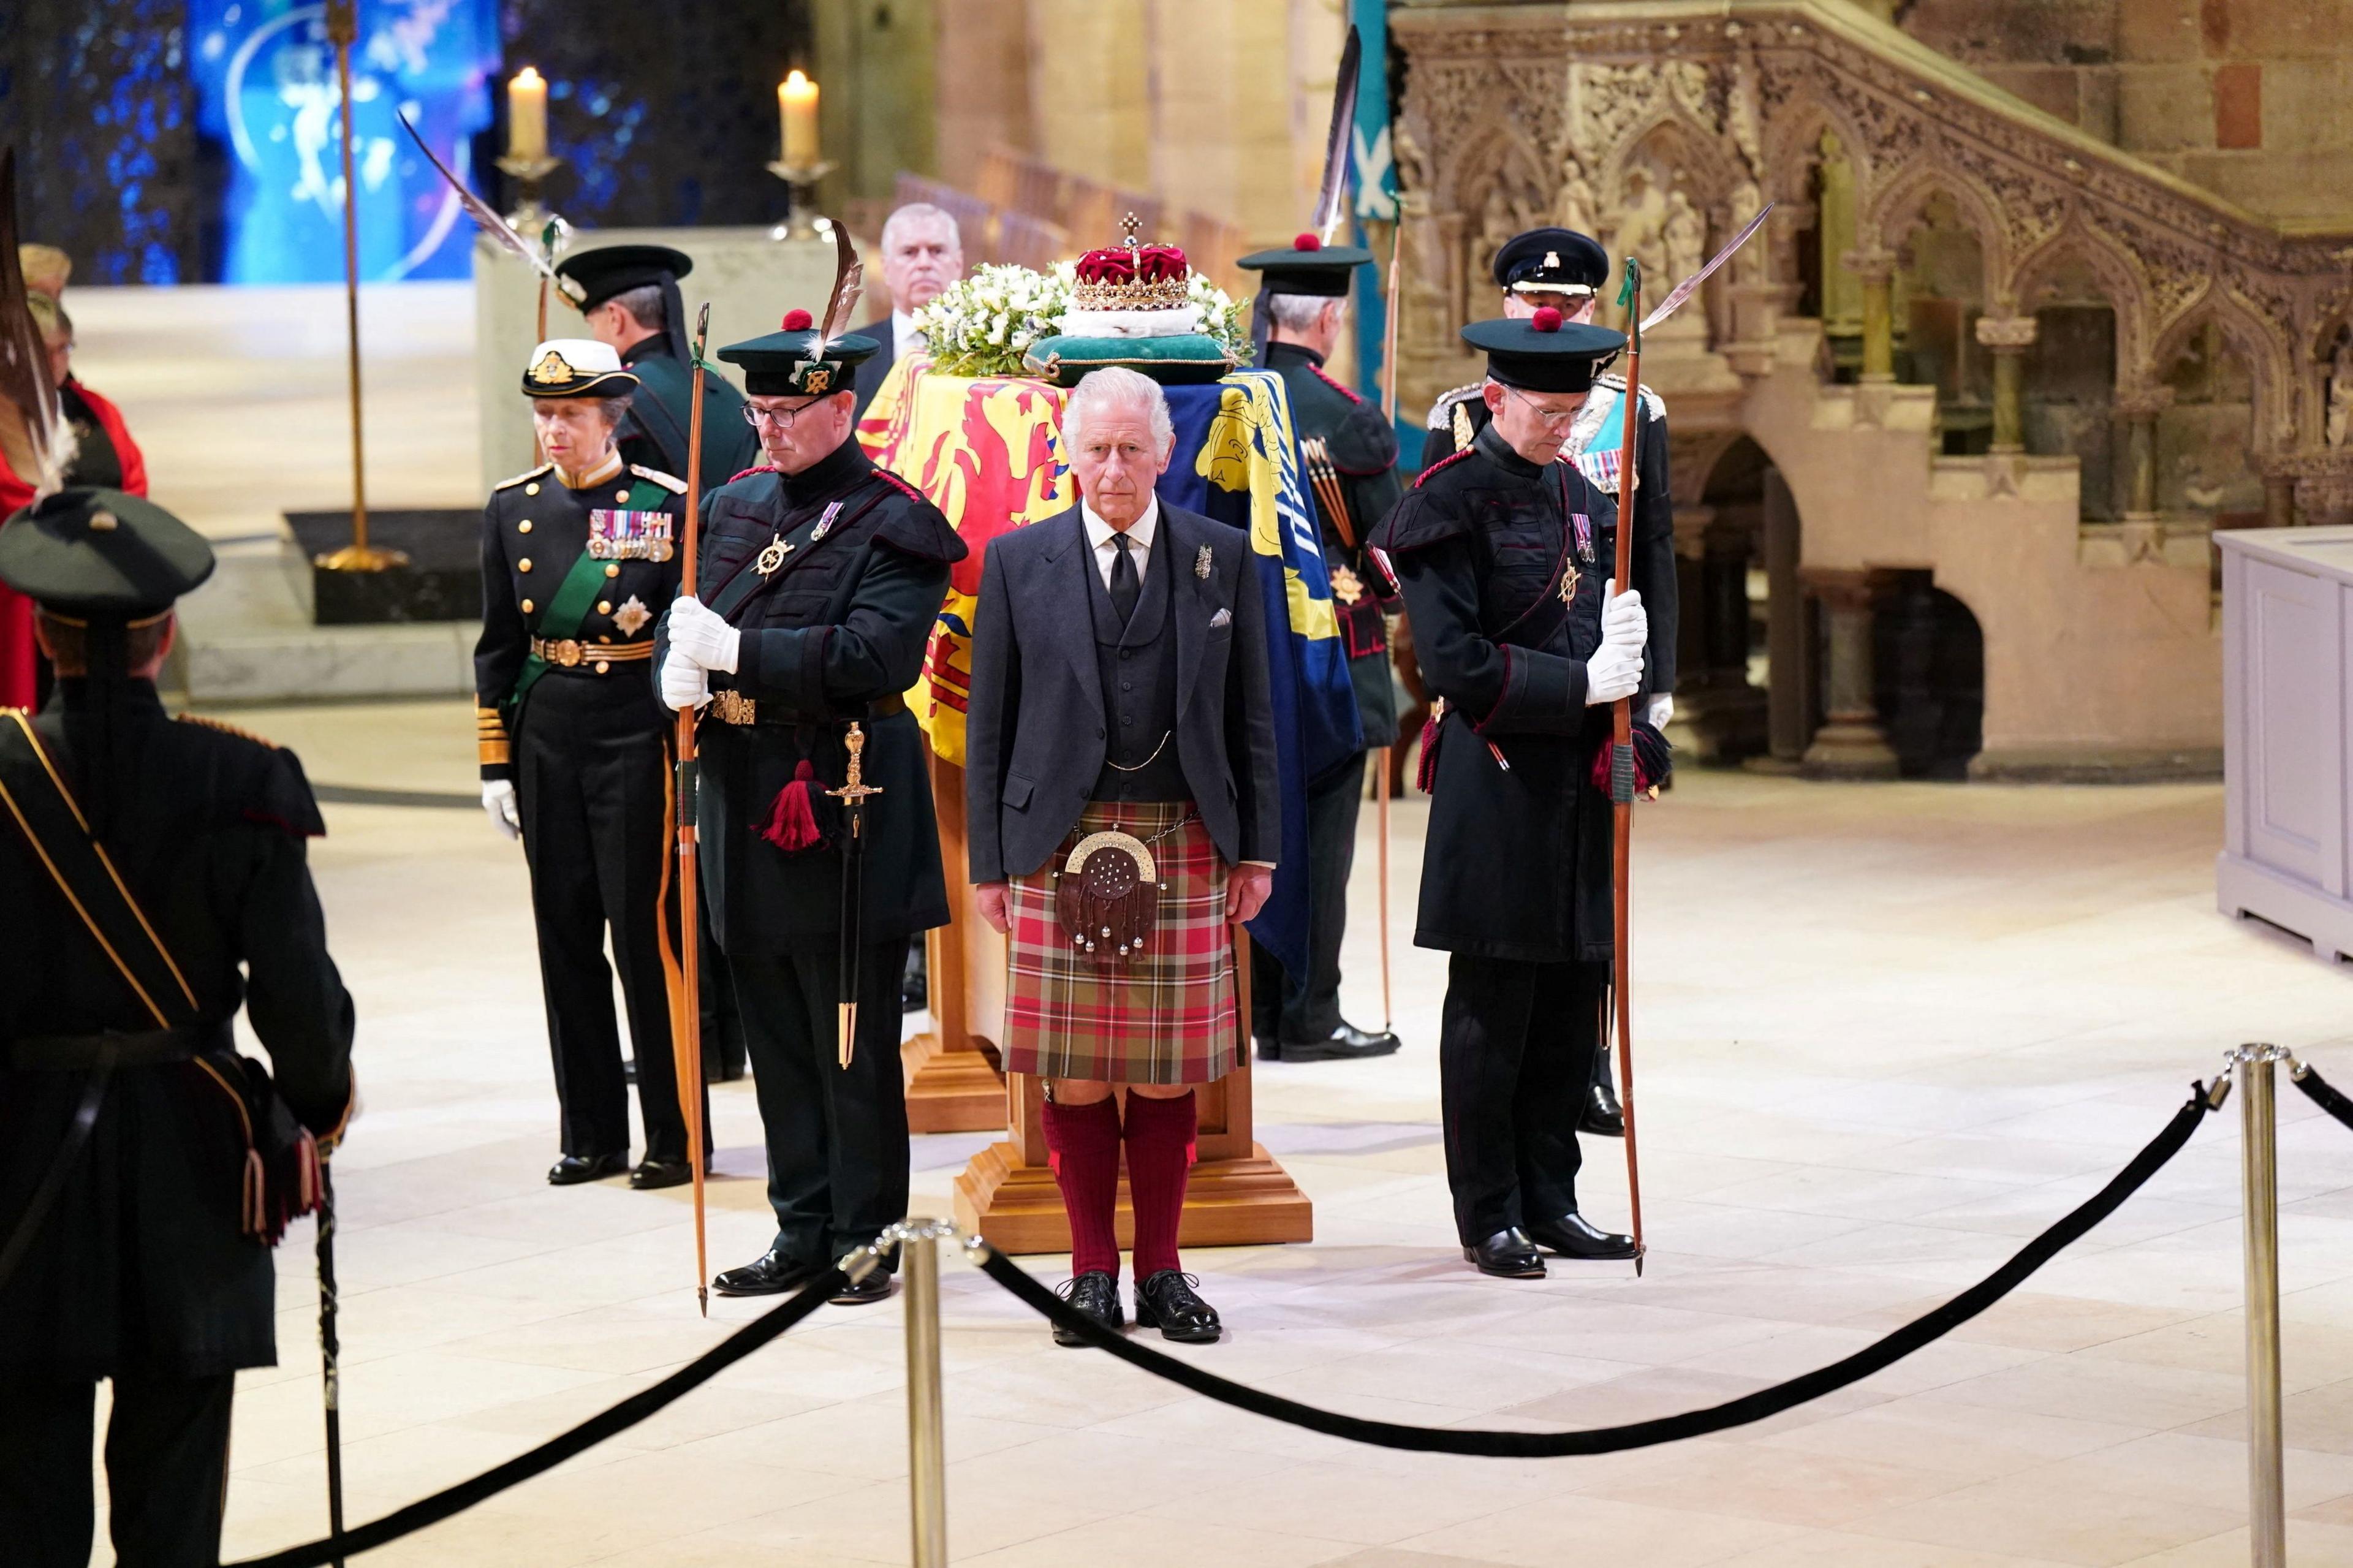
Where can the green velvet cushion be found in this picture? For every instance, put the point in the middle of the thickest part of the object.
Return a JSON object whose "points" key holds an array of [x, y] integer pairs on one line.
{"points": [[1189, 357]]}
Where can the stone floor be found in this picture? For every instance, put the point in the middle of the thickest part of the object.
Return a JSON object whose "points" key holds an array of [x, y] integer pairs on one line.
{"points": [[1884, 1033]]}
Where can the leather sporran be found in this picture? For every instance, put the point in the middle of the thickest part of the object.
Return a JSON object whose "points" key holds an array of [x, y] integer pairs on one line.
{"points": [[1107, 895]]}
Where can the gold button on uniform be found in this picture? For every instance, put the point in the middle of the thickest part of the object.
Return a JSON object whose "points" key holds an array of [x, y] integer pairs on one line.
{"points": [[613, 569], [523, 564], [523, 527], [531, 490], [604, 607], [602, 667], [620, 495], [527, 606]]}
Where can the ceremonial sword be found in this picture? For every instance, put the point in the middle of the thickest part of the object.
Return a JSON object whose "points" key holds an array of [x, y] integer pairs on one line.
{"points": [[852, 794]]}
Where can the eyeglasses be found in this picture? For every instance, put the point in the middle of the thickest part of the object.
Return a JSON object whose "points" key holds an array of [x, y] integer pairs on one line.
{"points": [[779, 419], [1554, 418]]}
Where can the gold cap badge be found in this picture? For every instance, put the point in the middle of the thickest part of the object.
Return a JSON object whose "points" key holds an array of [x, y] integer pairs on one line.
{"points": [[551, 370]]}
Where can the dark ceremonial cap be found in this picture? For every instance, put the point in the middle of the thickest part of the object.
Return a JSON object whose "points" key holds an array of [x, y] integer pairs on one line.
{"points": [[91, 553], [1543, 353], [1308, 266], [611, 270], [577, 367], [1551, 261], [797, 361]]}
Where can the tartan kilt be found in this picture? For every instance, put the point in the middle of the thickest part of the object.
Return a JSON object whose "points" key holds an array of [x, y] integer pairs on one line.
{"points": [[1164, 1016]]}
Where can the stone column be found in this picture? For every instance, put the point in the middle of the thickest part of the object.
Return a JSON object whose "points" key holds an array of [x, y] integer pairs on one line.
{"points": [[2279, 499], [1787, 651], [2138, 408], [1877, 271], [2009, 337], [1851, 742]]}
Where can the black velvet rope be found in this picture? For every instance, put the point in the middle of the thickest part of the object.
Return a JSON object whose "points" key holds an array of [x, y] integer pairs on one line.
{"points": [[2324, 1094], [620, 1418], [1738, 1412]]}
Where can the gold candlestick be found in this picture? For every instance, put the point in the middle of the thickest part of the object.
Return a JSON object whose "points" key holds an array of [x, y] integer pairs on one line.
{"points": [[529, 216], [800, 190]]}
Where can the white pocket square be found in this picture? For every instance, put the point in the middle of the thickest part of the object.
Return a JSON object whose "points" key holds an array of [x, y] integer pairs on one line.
{"points": [[1224, 617]]}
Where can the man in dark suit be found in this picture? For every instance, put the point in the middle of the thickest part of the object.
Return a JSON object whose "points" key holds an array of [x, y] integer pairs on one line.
{"points": [[632, 302], [1121, 796], [138, 1249], [922, 253]]}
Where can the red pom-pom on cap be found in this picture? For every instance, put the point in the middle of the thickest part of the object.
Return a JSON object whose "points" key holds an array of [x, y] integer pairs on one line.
{"points": [[1306, 242], [799, 321], [1546, 320]]}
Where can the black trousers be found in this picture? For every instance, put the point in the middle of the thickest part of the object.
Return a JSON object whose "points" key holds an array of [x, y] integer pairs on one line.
{"points": [[1283, 1008], [1516, 1062], [836, 1136], [166, 1470], [723, 1025], [590, 776]]}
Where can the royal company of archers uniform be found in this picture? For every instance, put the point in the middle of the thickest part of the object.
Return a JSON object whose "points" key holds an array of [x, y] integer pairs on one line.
{"points": [[577, 568]]}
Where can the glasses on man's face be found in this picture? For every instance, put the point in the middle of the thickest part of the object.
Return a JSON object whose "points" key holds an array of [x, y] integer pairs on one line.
{"points": [[774, 418], [1554, 418]]}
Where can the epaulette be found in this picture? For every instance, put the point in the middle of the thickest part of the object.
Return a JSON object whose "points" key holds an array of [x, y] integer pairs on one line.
{"points": [[1442, 464], [1349, 392], [670, 482], [754, 469], [230, 729], [1442, 411], [1651, 400], [526, 474]]}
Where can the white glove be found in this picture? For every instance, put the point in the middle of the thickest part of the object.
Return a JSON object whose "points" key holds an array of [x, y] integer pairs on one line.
{"points": [[1614, 670], [702, 637], [1662, 710], [684, 683], [499, 803]]}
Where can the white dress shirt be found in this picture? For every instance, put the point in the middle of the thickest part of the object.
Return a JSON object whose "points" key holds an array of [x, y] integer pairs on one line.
{"points": [[905, 338], [1100, 534]]}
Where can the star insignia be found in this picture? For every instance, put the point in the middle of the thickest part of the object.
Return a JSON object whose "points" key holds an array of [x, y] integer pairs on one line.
{"points": [[632, 615], [1345, 585]]}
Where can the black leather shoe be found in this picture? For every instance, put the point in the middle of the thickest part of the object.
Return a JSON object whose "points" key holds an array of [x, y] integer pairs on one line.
{"points": [[653, 1172], [1346, 1043], [771, 1274], [1601, 1117], [1167, 1302], [571, 1170], [1096, 1294], [875, 1287], [1572, 1235], [1507, 1254], [1269, 1050], [717, 1071]]}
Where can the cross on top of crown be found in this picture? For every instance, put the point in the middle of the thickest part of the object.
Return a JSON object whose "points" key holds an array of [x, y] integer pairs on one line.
{"points": [[1131, 223]]}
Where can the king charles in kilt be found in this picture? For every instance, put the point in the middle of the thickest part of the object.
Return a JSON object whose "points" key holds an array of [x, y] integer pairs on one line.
{"points": [[579, 556], [820, 578], [1121, 791], [1501, 554]]}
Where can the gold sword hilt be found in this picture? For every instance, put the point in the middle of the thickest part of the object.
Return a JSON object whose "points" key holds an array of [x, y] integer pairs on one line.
{"points": [[854, 788]]}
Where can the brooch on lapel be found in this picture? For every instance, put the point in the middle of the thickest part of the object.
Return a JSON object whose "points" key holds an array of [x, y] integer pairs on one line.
{"points": [[1202, 564], [825, 524], [773, 556]]}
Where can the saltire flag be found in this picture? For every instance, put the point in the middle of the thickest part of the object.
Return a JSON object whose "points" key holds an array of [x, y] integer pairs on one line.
{"points": [[987, 451]]}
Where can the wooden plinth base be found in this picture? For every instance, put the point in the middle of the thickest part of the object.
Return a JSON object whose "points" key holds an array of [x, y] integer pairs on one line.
{"points": [[951, 1091], [1243, 1202]]}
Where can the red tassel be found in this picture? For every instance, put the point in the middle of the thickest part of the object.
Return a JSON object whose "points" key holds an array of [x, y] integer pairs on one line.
{"points": [[792, 825], [1425, 778]]}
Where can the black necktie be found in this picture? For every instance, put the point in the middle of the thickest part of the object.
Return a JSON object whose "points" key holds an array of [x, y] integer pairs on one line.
{"points": [[1124, 588]]}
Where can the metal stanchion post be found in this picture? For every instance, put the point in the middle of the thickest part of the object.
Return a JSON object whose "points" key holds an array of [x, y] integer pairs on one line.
{"points": [[927, 1462], [2259, 1169]]}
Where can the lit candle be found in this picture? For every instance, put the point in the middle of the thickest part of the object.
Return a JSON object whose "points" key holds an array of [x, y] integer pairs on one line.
{"points": [[797, 102], [527, 115]]}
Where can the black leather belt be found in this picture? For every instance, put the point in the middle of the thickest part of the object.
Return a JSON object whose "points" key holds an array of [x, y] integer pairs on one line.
{"points": [[80, 1053]]}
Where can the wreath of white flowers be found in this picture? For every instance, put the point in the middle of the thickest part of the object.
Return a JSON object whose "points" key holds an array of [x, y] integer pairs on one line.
{"points": [[984, 323]]}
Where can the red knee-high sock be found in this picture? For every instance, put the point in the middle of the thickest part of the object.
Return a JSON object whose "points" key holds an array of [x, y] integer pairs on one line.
{"points": [[1083, 1145], [1159, 1157]]}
